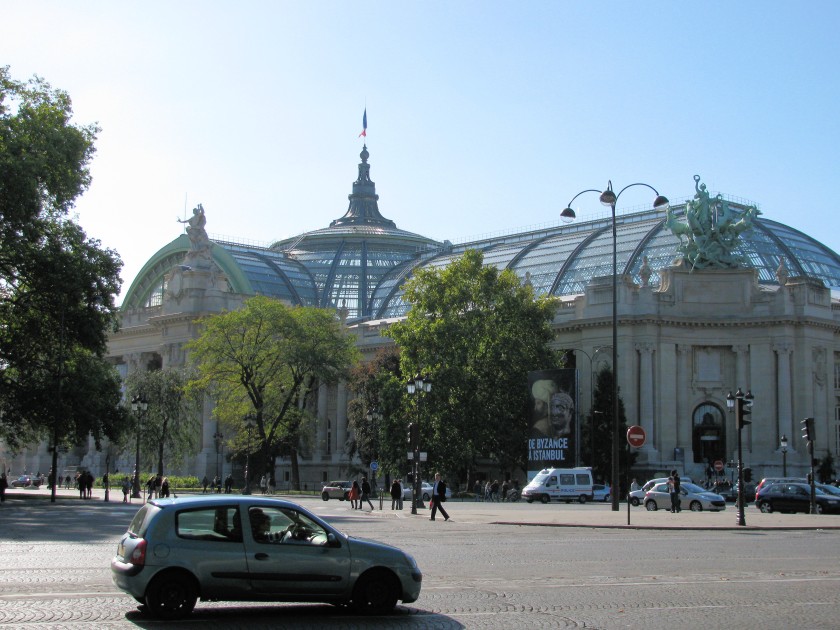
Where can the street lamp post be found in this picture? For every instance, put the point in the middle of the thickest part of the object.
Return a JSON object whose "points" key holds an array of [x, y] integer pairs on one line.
{"points": [[417, 385], [250, 423], [783, 444], [609, 198], [374, 417], [139, 405], [742, 404]]}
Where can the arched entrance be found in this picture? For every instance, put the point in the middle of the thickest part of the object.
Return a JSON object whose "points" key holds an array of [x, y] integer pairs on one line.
{"points": [[708, 434]]}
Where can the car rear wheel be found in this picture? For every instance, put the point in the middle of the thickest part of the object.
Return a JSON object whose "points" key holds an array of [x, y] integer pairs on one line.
{"points": [[325, 496], [582, 498], [171, 595], [696, 506], [651, 506], [530, 499], [425, 496], [375, 592], [545, 498], [765, 507]]}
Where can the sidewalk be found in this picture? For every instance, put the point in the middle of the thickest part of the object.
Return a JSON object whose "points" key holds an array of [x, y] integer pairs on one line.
{"points": [[598, 515]]}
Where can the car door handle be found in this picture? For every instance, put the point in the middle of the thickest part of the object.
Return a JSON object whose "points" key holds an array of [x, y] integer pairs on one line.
{"points": [[261, 556]]}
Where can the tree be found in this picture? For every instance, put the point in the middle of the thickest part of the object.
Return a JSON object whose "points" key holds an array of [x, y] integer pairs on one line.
{"points": [[597, 431], [476, 332], [266, 361], [378, 387], [57, 286], [172, 422]]}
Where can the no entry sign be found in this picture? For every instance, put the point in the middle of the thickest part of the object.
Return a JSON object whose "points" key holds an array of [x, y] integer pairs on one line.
{"points": [[636, 436]]}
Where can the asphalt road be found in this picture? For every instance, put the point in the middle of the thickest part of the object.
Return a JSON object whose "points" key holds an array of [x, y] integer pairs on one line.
{"points": [[501, 566]]}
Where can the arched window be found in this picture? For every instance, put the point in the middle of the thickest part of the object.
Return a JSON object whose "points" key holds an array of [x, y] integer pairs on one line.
{"points": [[708, 434]]}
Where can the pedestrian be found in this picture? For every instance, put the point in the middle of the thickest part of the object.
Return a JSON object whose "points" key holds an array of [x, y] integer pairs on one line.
{"points": [[229, 483], [204, 484], [634, 485], [217, 484], [365, 494], [396, 495], [494, 490], [355, 495], [488, 489], [438, 497], [674, 489], [477, 490], [263, 484], [126, 486], [164, 488], [4, 483]]}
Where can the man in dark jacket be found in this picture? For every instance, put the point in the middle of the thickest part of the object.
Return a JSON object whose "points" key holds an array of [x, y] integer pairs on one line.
{"points": [[438, 497]]}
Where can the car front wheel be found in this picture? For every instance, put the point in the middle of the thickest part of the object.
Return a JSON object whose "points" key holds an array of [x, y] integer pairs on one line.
{"points": [[765, 507], [651, 506], [696, 506], [171, 595], [375, 592], [325, 496], [634, 501], [607, 497], [545, 498], [582, 498]]}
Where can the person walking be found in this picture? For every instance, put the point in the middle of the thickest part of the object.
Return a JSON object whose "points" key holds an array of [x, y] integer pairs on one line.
{"points": [[204, 483], [355, 496], [674, 489], [126, 488], [365, 494], [263, 484], [438, 497], [396, 495], [4, 483], [164, 488]]}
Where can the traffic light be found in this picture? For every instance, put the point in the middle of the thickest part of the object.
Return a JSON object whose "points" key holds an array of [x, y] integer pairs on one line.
{"points": [[744, 409], [808, 429]]}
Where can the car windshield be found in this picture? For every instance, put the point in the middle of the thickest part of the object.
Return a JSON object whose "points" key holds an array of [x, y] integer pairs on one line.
{"points": [[690, 487]]}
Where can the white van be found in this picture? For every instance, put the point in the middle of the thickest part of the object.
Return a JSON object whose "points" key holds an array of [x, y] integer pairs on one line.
{"points": [[560, 484]]}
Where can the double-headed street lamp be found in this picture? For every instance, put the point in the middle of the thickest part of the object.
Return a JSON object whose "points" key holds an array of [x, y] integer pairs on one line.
{"points": [[417, 385], [139, 405], [374, 418], [783, 446], [609, 198], [217, 438], [742, 404]]}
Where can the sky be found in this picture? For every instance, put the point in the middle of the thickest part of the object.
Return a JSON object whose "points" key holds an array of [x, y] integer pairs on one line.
{"points": [[483, 117]]}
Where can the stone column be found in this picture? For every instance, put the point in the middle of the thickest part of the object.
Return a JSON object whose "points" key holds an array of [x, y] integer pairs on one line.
{"points": [[684, 419], [341, 419], [321, 441], [645, 351], [742, 380], [783, 387]]}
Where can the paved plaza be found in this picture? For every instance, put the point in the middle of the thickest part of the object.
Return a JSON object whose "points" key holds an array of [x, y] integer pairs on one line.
{"points": [[493, 565]]}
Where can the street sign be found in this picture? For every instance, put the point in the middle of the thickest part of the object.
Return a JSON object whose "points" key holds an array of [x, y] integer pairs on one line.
{"points": [[374, 466], [636, 436], [423, 455], [719, 465]]}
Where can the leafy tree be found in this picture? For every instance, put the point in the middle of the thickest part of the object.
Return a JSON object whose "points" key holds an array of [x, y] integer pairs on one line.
{"points": [[57, 286], [264, 362], [597, 432], [378, 387], [171, 424], [476, 332]]}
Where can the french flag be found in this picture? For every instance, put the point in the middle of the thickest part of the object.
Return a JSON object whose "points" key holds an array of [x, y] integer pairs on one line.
{"points": [[364, 124]]}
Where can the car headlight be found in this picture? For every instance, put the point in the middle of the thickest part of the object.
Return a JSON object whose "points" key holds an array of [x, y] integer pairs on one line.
{"points": [[410, 561]]}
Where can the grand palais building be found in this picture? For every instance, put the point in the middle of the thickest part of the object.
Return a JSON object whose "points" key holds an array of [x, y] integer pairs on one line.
{"points": [[687, 334]]}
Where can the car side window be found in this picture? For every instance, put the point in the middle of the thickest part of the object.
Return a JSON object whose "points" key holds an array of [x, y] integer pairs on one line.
{"points": [[552, 481], [216, 524], [284, 526]]}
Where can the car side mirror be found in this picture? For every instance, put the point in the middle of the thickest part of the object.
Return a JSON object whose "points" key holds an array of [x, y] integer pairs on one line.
{"points": [[332, 540]]}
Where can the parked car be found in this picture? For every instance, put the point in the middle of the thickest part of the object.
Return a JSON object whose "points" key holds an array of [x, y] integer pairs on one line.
{"points": [[336, 490], [637, 497], [771, 480], [795, 497], [426, 488], [177, 551], [27, 481], [692, 497], [600, 492]]}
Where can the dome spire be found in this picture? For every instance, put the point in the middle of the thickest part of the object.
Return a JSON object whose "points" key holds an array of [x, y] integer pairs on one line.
{"points": [[363, 208]]}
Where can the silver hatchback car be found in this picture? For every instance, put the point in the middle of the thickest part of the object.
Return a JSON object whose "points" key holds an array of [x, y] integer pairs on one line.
{"points": [[251, 548]]}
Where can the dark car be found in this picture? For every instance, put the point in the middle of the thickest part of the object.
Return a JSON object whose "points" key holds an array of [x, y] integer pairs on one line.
{"points": [[26, 481], [251, 548], [795, 497]]}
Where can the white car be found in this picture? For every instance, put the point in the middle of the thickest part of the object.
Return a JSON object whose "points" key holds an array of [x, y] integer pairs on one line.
{"points": [[425, 491], [692, 497], [637, 497], [601, 492]]}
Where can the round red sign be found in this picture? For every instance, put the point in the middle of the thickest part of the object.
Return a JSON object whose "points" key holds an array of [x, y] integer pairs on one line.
{"points": [[636, 436]]}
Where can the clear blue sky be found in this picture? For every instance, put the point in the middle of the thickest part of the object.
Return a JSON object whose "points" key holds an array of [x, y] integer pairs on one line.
{"points": [[483, 117]]}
